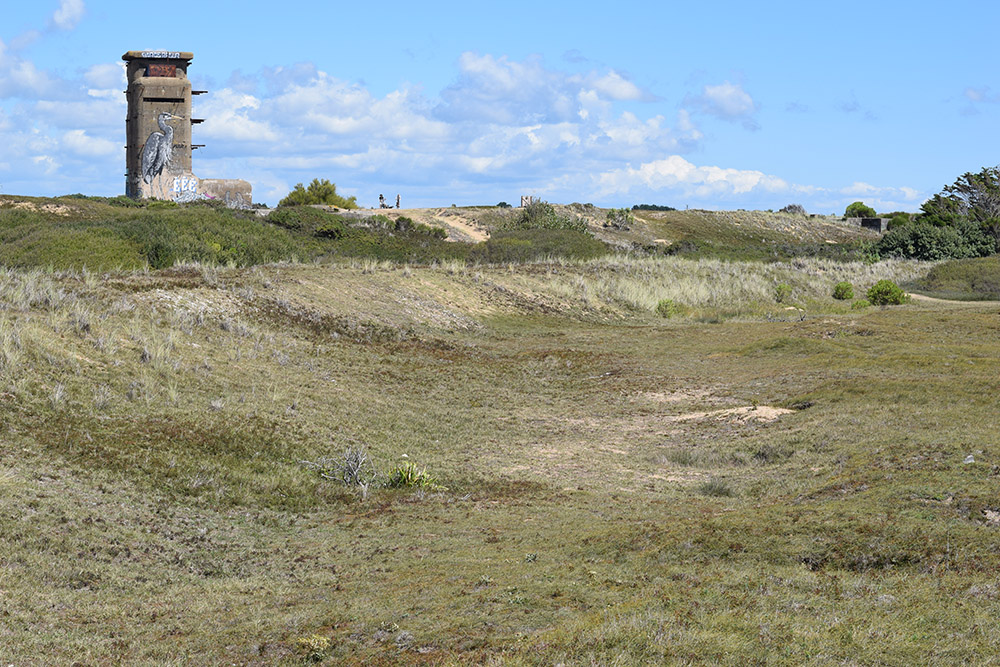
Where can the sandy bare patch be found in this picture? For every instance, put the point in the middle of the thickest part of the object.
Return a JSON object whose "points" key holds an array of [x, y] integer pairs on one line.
{"points": [[57, 209], [741, 415], [672, 396]]}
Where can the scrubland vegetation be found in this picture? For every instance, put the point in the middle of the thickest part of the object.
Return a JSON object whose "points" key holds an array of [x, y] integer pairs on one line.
{"points": [[312, 448]]}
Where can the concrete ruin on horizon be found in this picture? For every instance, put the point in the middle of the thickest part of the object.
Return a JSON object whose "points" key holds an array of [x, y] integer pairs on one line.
{"points": [[158, 134]]}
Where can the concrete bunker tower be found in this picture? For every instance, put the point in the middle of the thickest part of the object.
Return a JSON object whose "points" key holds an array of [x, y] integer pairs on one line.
{"points": [[158, 133]]}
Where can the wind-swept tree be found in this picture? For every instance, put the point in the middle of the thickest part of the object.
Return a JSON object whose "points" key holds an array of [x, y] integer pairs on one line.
{"points": [[318, 192], [975, 197]]}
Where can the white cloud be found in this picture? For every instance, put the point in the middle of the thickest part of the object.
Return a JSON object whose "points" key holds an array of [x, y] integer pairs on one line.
{"points": [[68, 15], [615, 87], [106, 75], [879, 193], [227, 116], [727, 101], [79, 143], [677, 174], [47, 163], [499, 90]]}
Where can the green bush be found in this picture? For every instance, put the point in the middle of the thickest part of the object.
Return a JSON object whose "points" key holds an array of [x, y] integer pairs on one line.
{"points": [[668, 308], [859, 210], [540, 215], [652, 207], [318, 192], [407, 476], [925, 240], [619, 218], [528, 245], [427, 230], [782, 291], [843, 291], [334, 229], [301, 218], [885, 293], [861, 304]]}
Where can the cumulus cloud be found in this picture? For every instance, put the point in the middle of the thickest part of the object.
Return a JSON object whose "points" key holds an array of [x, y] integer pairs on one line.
{"points": [[83, 145], [227, 117], [68, 15], [614, 86], [106, 75], [499, 90], [860, 189], [727, 101], [677, 174]]}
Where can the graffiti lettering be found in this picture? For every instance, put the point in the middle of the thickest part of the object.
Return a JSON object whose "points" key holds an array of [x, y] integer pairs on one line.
{"points": [[161, 54], [184, 184]]}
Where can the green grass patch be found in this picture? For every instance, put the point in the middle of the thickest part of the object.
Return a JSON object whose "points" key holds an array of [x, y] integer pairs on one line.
{"points": [[975, 279]]}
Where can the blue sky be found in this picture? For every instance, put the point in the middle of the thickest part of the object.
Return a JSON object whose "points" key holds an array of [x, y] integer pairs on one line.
{"points": [[717, 105]]}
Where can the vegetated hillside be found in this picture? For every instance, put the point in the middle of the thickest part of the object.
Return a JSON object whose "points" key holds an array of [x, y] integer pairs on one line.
{"points": [[734, 234], [975, 279], [565, 472], [105, 233]]}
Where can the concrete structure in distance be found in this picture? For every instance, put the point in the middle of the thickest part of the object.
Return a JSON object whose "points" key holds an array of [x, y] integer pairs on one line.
{"points": [[158, 133]]}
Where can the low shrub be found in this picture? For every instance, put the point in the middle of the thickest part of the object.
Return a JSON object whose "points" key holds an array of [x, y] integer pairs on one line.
{"points": [[794, 209], [540, 215], [781, 292], [668, 308], [886, 293], [533, 244], [301, 218], [843, 291], [861, 304], [652, 207], [716, 487], [334, 229], [619, 218], [407, 476]]}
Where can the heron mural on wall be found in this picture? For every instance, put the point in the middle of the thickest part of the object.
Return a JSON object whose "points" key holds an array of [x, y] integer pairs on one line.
{"points": [[159, 146]]}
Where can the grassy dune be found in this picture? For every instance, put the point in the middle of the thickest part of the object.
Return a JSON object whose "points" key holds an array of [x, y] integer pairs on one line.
{"points": [[734, 484]]}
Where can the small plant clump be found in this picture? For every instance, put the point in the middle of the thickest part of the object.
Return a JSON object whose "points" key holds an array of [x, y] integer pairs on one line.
{"points": [[843, 291], [314, 647], [793, 209], [619, 218], [540, 215], [407, 476], [668, 308], [886, 293], [861, 304], [716, 487], [782, 291]]}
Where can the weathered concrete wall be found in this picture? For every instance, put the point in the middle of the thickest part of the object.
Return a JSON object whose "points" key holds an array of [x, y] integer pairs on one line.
{"points": [[158, 133], [157, 85], [235, 192], [879, 225]]}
